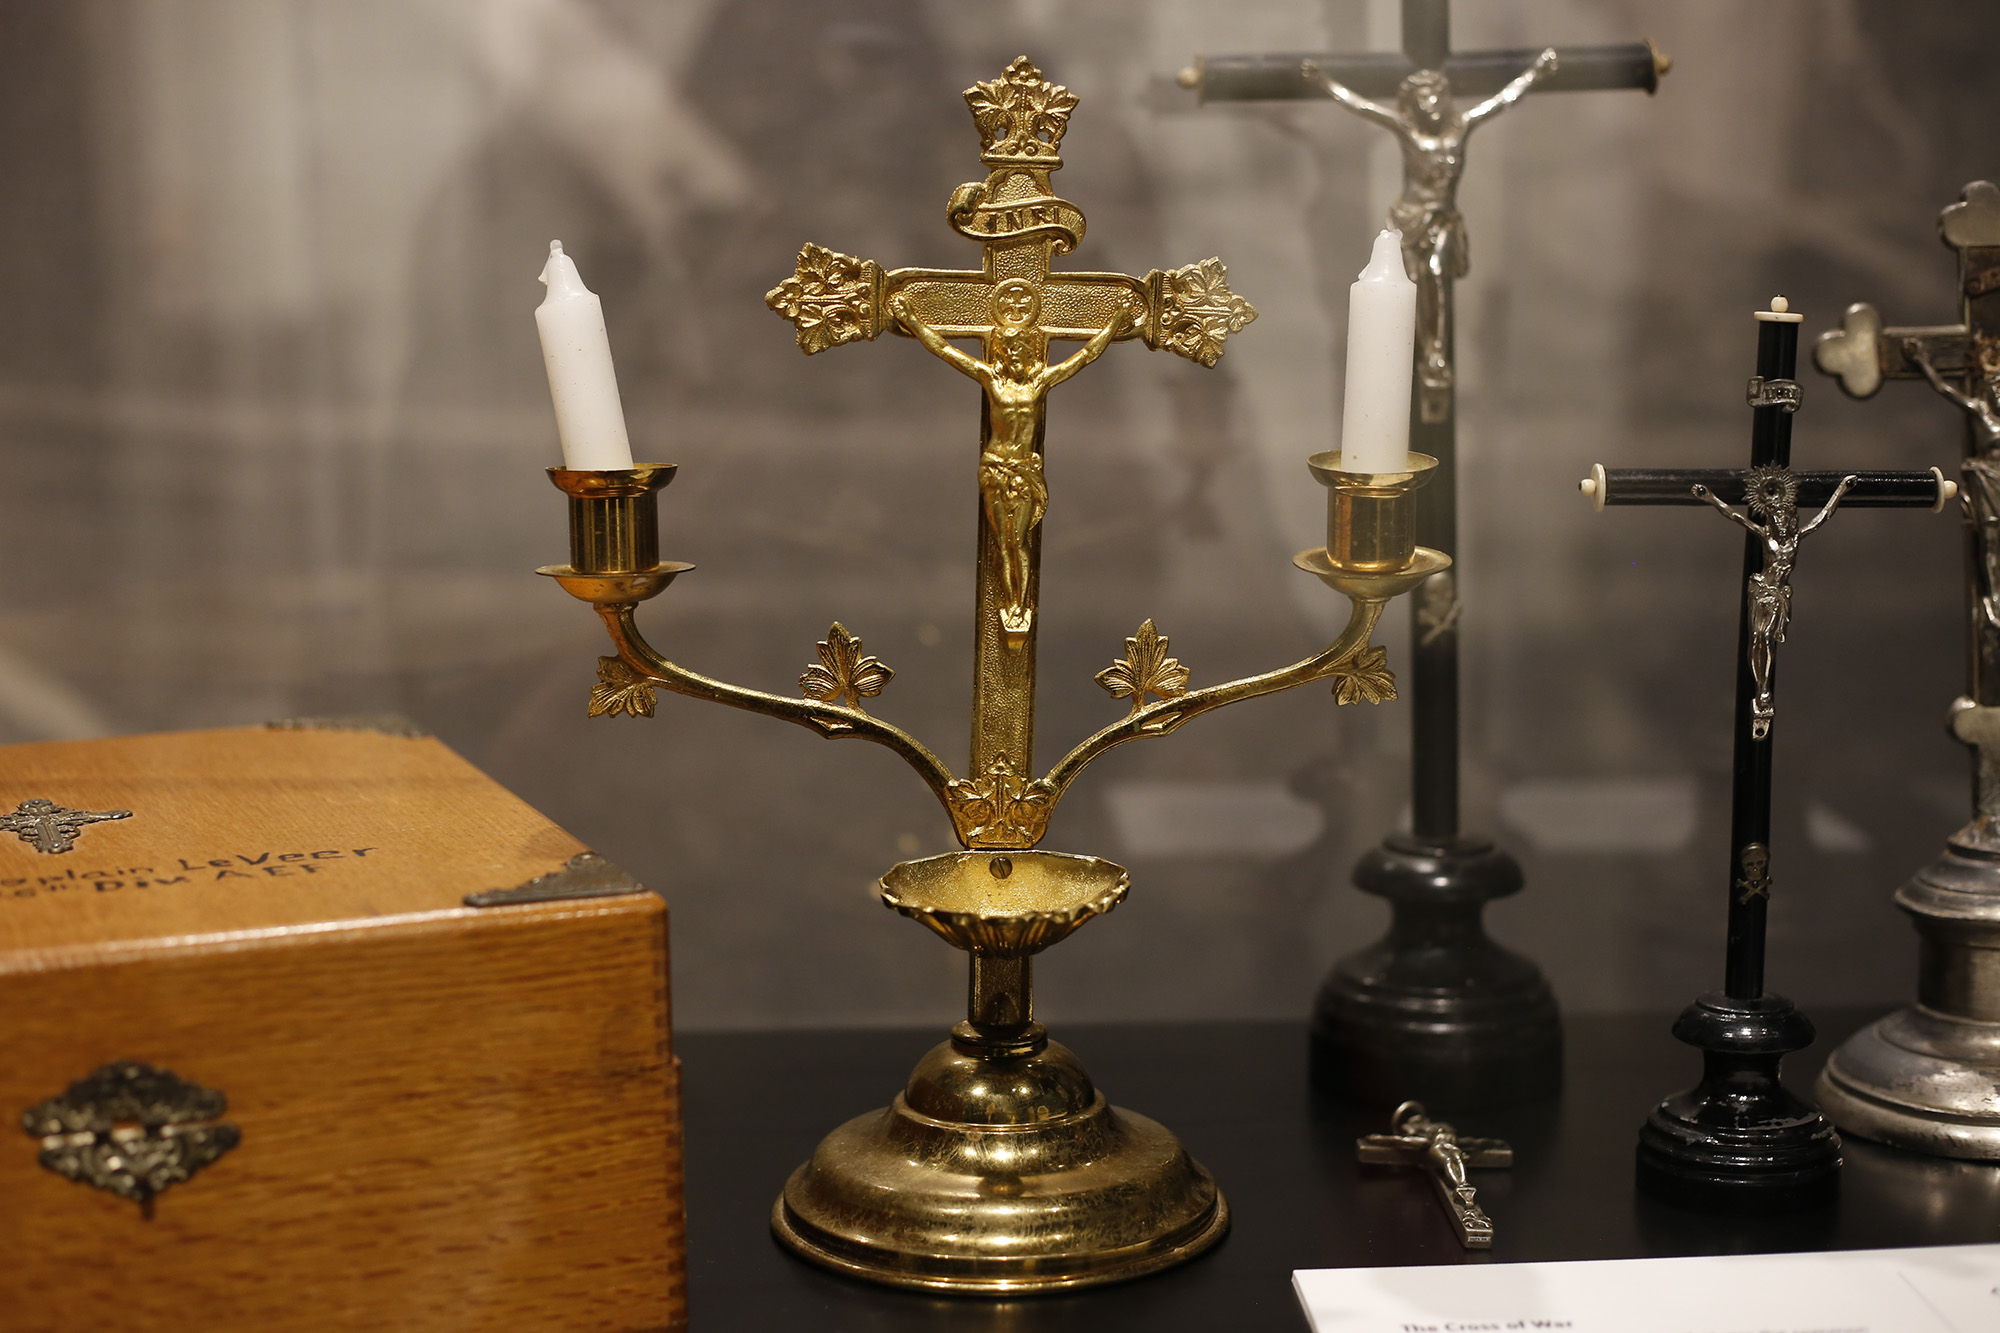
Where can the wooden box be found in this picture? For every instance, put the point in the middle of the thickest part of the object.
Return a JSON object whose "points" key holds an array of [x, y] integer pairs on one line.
{"points": [[401, 1112]]}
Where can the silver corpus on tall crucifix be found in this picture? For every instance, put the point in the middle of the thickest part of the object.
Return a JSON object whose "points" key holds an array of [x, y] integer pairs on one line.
{"points": [[1772, 494], [1431, 132], [1927, 1078]]}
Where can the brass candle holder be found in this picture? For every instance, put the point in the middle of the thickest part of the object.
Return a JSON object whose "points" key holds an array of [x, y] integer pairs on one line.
{"points": [[1000, 1168], [1371, 517]]}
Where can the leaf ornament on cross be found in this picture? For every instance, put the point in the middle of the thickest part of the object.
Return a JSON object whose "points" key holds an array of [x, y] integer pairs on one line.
{"points": [[620, 689], [1145, 669], [832, 298], [1199, 312], [842, 673], [1365, 677]]}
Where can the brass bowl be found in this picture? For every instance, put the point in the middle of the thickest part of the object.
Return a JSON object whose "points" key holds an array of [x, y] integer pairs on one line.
{"points": [[1005, 904]]}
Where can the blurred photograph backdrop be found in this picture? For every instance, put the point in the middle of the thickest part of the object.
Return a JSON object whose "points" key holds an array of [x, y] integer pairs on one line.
{"points": [[273, 426]]}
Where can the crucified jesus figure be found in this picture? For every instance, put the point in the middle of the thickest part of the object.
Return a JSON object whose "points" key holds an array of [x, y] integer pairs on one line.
{"points": [[1981, 467], [1773, 494], [1432, 135], [1011, 485]]}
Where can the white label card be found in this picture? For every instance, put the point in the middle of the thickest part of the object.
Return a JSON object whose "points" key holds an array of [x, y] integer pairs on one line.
{"points": [[1943, 1289]]}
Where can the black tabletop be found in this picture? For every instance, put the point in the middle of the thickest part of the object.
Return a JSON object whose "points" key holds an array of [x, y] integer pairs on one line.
{"points": [[1236, 1094]]}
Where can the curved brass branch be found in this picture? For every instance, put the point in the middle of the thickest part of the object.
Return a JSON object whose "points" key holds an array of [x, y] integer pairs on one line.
{"points": [[829, 720], [1167, 715]]}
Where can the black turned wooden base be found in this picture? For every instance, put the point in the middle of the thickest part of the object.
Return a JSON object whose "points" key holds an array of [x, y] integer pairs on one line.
{"points": [[1435, 1010], [1738, 1141]]}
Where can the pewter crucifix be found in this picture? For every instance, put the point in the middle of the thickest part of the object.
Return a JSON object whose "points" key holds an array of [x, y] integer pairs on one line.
{"points": [[1015, 303], [1961, 362]]}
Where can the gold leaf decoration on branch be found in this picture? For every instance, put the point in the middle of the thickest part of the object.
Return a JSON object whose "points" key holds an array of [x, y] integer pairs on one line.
{"points": [[1198, 311], [1365, 676], [843, 674], [1000, 809], [1145, 669], [620, 689], [831, 297]]}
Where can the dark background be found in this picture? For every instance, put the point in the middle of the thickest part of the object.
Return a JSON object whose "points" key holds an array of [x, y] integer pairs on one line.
{"points": [[272, 423]]}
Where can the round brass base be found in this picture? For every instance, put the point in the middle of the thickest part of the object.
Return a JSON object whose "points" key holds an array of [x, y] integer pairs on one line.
{"points": [[1028, 1181]]}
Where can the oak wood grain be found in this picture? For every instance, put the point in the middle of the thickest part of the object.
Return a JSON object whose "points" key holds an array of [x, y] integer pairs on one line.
{"points": [[451, 1118], [469, 1122]]}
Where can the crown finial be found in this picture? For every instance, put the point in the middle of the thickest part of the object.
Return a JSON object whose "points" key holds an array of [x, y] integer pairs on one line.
{"points": [[1021, 116]]}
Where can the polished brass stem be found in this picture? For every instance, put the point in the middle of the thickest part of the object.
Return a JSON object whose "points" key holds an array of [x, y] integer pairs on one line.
{"points": [[999, 997]]}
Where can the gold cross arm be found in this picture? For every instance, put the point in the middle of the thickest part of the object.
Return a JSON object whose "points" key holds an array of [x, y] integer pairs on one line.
{"points": [[1015, 304], [834, 298]]}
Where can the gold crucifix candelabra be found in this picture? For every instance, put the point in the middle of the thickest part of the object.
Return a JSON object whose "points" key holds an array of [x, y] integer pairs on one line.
{"points": [[1000, 1167]]}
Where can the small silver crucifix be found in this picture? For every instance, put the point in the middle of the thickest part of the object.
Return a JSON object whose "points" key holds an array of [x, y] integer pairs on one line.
{"points": [[1417, 1140], [50, 828]]}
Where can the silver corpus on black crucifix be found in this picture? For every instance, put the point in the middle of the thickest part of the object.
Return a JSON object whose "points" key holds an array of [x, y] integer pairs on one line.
{"points": [[1927, 1078], [1738, 1139], [1435, 1008]]}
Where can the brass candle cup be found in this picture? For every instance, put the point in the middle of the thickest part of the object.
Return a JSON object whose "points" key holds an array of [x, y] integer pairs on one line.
{"points": [[614, 534], [1371, 525]]}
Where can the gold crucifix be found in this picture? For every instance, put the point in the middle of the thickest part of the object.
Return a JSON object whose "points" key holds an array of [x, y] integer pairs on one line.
{"points": [[1014, 304]]}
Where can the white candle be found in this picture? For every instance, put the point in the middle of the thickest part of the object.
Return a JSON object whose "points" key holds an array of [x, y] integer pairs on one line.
{"points": [[589, 416], [1381, 335]]}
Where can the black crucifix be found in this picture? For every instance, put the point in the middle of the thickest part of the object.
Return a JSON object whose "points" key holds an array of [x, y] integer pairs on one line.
{"points": [[1423, 78], [1962, 363], [1014, 304], [1739, 1132], [1414, 1139]]}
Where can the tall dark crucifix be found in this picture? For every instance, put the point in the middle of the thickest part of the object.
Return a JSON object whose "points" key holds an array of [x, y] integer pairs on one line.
{"points": [[1928, 1078], [1436, 1009], [1014, 304], [1739, 1135]]}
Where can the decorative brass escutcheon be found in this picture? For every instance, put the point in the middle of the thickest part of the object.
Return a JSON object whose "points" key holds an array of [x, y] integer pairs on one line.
{"points": [[132, 1130], [49, 828]]}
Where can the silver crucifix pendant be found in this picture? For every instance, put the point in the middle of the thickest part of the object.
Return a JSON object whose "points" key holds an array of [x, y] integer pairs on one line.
{"points": [[1416, 1140]]}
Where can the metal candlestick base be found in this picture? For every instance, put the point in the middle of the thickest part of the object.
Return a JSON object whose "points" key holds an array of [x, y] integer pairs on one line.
{"points": [[1000, 1168], [996, 1174], [1436, 1010], [1927, 1078], [1737, 1141]]}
